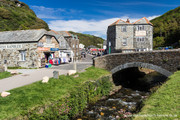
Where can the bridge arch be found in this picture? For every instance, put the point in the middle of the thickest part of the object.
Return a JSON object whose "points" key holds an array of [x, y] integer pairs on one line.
{"points": [[143, 65]]}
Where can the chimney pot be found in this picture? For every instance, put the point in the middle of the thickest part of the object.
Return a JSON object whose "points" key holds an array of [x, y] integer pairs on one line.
{"points": [[128, 21]]}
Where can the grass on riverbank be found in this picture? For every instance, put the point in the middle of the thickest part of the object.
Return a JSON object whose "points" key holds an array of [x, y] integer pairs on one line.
{"points": [[4, 75], [38, 94], [164, 104]]}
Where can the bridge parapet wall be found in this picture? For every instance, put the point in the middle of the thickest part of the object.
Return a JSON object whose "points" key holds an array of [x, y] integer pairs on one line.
{"points": [[166, 59]]}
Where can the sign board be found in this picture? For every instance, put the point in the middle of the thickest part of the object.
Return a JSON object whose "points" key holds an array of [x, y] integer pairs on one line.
{"points": [[49, 45], [44, 49], [11, 46], [140, 33], [54, 49]]}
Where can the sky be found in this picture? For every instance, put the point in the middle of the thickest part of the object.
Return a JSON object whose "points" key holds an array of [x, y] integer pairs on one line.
{"points": [[94, 16]]}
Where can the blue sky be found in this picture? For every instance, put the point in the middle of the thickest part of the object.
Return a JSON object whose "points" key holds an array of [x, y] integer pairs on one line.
{"points": [[94, 16]]}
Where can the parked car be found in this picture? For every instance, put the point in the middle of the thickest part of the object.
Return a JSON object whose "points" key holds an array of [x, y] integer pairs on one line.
{"points": [[83, 53]]}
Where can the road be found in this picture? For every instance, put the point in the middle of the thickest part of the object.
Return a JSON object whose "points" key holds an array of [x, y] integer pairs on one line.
{"points": [[30, 76], [81, 64]]}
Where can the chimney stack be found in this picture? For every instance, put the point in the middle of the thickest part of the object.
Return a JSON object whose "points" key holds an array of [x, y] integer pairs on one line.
{"points": [[128, 21]]}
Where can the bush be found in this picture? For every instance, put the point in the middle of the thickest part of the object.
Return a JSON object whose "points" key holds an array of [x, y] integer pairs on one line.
{"points": [[77, 101]]}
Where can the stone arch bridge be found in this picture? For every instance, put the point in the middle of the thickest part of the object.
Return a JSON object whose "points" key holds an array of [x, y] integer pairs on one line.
{"points": [[163, 61]]}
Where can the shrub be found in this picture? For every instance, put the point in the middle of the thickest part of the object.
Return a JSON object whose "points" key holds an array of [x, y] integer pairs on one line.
{"points": [[77, 101]]}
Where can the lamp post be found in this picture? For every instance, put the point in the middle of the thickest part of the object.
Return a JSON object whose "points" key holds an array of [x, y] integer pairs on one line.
{"points": [[101, 48]]}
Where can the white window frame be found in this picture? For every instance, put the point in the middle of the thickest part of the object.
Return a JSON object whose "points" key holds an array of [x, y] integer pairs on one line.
{"points": [[124, 42], [140, 28], [123, 28], [62, 43], [22, 55], [140, 39]]}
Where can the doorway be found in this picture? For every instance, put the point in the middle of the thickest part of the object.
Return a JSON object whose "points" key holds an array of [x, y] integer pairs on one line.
{"points": [[47, 56]]}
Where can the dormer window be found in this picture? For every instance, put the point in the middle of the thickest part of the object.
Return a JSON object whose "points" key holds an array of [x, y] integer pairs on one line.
{"points": [[48, 39], [123, 28]]}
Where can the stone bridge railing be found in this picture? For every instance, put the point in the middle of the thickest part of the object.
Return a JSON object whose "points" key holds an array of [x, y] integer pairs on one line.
{"points": [[164, 61]]}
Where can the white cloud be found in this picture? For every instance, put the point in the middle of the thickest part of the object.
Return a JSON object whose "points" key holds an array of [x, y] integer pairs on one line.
{"points": [[94, 27], [53, 13]]}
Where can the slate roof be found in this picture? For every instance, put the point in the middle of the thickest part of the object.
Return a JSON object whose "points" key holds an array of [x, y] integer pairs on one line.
{"points": [[22, 35], [119, 21], [143, 20], [64, 33], [60, 38]]}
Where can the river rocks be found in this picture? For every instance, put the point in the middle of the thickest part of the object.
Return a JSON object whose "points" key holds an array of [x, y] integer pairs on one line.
{"points": [[71, 72], [45, 79], [5, 94], [101, 113]]}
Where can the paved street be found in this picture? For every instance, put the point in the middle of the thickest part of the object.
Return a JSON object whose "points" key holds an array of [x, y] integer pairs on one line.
{"points": [[29, 76], [81, 64]]}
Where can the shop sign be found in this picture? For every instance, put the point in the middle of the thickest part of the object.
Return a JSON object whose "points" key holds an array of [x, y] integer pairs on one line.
{"points": [[44, 49], [54, 49], [11, 46], [140, 33], [49, 45]]}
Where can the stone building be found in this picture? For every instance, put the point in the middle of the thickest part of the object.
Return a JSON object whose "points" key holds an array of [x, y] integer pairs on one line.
{"points": [[27, 48], [73, 42], [123, 36], [65, 51]]}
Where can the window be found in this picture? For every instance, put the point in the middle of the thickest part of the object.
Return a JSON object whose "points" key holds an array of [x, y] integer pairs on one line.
{"points": [[140, 27], [123, 28], [73, 46], [62, 43], [140, 39], [124, 41], [76, 46], [48, 39], [40, 44], [22, 55]]}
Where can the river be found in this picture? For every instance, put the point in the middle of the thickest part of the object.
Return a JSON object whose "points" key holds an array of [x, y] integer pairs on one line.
{"points": [[124, 103]]}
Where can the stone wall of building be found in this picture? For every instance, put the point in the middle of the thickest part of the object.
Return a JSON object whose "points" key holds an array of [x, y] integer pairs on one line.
{"points": [[129, 35], [111, 37], [148, 42], [116, 36], [11, 57], [74, 44], [53, 41]]}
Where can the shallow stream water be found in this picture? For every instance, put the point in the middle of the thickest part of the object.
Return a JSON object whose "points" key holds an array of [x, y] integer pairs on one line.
{"points": [[121, 105]]}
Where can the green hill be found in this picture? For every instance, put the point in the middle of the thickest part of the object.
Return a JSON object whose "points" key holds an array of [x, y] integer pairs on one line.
{"points": [[167, 29], [88, 40], [16, 15]]}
